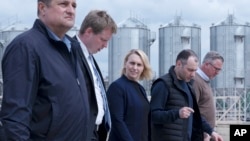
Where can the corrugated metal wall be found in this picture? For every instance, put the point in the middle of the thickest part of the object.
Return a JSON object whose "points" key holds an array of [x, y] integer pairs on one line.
{"points": [[175, 37], [232, 40]]}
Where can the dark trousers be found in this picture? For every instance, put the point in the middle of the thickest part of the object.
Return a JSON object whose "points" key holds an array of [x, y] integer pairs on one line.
{"points": [[95, 136], [2, 133]]}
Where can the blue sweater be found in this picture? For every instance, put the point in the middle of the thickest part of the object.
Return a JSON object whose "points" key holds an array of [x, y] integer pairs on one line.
{"points": [[129, 108]]}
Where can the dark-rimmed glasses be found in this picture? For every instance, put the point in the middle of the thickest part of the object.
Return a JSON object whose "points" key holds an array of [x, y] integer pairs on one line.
{"points": [[217, 69]]}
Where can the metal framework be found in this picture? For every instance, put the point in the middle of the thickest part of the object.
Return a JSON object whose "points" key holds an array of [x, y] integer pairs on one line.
{"points": [[232, 105]]}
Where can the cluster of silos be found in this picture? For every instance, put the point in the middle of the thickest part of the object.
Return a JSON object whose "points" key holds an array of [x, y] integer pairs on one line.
{"points": [[131, 34], [174, 37]]}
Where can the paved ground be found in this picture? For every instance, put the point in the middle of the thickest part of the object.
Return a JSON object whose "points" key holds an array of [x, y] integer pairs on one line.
{"points": [[224, 129]]}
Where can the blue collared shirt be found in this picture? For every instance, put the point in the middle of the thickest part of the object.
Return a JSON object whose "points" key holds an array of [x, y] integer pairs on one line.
{"points": [[64, 39]]}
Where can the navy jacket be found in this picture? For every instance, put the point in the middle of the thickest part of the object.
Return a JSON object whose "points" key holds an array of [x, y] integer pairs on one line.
{"points": [[45, 95], [129, 108]]}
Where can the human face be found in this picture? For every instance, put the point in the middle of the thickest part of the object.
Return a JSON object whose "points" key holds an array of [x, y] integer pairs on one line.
{"points": [[58, 16], [214, 68], [96, 42], [187, 71], [133, 67]]}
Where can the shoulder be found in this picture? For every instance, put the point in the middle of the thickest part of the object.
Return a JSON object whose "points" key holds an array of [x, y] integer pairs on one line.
{"points": [[24, 44], [120, 83], [163, 79], [197, 77], [198, 81]]}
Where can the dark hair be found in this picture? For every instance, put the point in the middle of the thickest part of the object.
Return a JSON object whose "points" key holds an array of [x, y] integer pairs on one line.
{"points": [[185, 54], [98, 20]]}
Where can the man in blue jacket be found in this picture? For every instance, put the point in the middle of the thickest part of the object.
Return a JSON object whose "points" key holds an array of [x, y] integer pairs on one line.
{"points": [[44, 95]]}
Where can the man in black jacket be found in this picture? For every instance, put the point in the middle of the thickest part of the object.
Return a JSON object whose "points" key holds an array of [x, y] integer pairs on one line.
{"points": [[96, 30], [44, 92], [175, 113]]}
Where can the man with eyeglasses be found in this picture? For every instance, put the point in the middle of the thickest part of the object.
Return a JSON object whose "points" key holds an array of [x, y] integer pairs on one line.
{"points": [[210, 67], [216, 68]]}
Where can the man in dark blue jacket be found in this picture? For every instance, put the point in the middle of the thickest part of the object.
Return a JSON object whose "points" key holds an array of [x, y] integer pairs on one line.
{"points": [[96, 30], [45, 96], [175, 113]]}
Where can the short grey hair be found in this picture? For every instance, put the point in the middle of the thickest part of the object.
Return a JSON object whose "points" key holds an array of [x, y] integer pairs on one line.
{"points": [[211, 56]]}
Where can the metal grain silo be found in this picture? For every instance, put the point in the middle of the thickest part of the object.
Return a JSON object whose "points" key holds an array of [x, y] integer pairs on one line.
{"points": [[174, 37], [232, 39], [131, 34]]}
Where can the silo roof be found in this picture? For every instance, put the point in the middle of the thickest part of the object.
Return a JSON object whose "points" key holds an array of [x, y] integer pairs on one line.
{"points": [[178, 21], [132, 22], [230, 20]]}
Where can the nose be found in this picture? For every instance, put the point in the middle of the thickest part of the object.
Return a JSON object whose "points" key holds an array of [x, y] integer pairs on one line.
{"points": [[71, 9], [193, 74], [105, 44], [135, 66], [216, 73]]}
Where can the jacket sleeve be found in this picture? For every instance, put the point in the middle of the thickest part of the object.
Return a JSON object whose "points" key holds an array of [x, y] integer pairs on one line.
{"points": [[19, 91], [159, 97], [117, 105], [206, 127]]}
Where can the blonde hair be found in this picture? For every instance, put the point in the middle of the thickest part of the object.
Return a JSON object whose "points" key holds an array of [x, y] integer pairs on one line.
{"points": [[147, 71]]}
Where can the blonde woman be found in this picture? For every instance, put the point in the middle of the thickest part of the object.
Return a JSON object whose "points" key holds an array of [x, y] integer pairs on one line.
{"points": [[128, 103]]}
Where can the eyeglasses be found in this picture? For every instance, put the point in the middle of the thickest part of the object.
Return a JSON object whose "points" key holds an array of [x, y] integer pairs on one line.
{"points": [[217, 69]]}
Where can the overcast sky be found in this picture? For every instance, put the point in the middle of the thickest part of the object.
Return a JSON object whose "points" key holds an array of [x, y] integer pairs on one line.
{"points": [[153, 12]]}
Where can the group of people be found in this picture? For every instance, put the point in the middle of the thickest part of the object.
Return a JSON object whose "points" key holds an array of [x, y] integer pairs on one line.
{"points": [[53, 89], [176, 112]]}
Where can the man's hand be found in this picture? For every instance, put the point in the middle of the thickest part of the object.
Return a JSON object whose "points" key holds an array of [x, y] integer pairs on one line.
{"points": [[216, 137], [185, 112]]}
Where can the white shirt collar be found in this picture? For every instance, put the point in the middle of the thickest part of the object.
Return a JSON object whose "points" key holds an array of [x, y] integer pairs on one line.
{"points": [[202, 74], [84, 48]]}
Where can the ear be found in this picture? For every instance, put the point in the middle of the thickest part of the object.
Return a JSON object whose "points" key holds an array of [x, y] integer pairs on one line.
{"points": [[41, 7], [89, 30], [178, 63]]}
